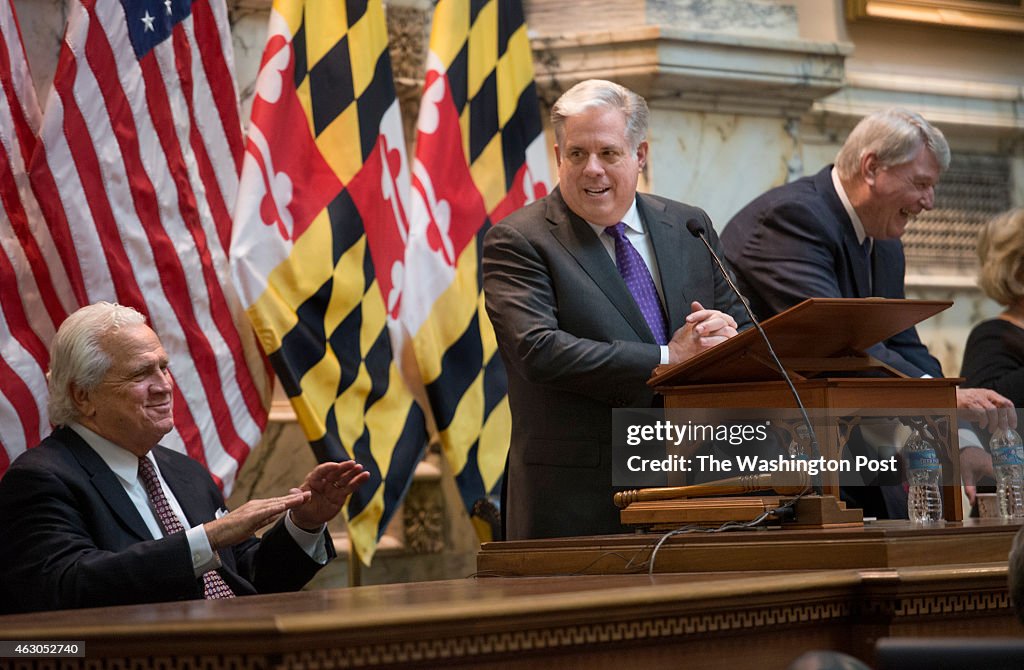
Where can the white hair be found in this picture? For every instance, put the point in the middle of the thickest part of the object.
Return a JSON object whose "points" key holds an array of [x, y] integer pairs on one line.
{"points": [[894, 135], [77, 356], [602, 93]]}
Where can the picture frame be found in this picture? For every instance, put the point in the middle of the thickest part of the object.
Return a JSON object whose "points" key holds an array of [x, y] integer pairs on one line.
{"points": [[996, 15]]}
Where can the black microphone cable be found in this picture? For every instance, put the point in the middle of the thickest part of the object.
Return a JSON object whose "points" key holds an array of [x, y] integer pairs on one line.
{"points": [[784, 512], [696, 229]]}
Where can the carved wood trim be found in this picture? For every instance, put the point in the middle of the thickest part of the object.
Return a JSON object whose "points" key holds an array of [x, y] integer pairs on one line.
{"points": [[567, 637]]}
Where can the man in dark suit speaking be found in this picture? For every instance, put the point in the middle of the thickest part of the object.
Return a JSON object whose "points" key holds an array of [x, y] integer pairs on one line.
{"points": [[836, 234], [589, 289], [100, 514]]}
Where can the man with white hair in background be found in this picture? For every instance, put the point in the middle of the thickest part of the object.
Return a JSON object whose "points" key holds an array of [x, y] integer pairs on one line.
{"points": [[836, 234], [100, 514]]}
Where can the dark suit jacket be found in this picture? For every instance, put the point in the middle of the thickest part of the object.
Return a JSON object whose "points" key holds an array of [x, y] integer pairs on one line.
{"points": [[70, 536], [797, 241], [575, 346]]}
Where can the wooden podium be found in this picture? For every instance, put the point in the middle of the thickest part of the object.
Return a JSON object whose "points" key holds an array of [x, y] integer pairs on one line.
{"points": [[821, 343]]}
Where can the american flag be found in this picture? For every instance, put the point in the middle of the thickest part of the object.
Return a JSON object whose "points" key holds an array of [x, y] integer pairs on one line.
{"points": [[136, 174], [30, 303]]}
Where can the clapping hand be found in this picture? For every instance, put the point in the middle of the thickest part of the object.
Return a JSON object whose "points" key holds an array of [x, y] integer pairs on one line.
{"points": [[329, 486]]}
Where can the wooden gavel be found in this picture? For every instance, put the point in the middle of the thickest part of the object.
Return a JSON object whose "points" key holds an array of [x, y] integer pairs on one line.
{"points": [[785, 483]]}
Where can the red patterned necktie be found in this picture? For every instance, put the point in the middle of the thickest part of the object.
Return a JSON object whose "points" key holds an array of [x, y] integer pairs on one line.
{"points": [[639, 282], [214, 585]]}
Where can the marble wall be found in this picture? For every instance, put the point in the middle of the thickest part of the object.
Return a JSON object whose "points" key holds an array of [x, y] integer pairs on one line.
{"points": [[720, 161]]}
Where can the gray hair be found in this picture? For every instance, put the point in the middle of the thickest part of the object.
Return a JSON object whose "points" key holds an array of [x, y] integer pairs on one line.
{"points": [[894, 135], [77, 356], [601, 93]]}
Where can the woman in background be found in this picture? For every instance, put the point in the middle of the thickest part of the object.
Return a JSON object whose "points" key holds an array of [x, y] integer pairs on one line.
{"points": [[994, 354]]}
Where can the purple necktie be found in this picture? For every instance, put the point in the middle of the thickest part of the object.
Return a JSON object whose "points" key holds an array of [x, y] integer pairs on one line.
{"points": [[214, 585], [639, 282]]}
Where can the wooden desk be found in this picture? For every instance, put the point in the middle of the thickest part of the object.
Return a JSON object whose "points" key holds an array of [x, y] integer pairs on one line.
{"points": [[715, 621], [878, 544], [725, 618]]}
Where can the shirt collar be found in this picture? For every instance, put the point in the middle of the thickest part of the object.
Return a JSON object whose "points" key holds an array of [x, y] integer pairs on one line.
{"points": [[631, 219], [123, 462], [858, 226]]}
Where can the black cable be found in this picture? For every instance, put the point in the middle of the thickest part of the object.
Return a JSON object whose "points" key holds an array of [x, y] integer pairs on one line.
{"points": [[697, 230]]}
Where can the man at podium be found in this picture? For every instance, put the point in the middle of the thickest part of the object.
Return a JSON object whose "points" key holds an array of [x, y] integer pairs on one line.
{"points": [[837, 234], [589, 289]]}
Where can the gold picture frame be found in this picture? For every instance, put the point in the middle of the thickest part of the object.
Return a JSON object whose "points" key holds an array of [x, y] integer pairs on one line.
{"points": [[1000, 15]]}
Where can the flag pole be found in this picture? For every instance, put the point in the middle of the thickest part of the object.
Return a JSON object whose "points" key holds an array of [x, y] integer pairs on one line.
{"points": [[355, 566]]}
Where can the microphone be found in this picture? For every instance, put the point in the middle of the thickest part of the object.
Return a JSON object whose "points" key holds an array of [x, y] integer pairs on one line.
{"points": [[696, 229]]}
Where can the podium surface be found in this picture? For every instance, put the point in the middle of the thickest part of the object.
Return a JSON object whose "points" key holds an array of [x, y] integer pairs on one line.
{"points": [[815, 336]]}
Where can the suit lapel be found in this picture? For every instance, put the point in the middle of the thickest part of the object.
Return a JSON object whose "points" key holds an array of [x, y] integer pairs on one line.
{"points": [[858, 261], [855, 258], [106, 483], [576, 236], [667, 238], [887, 268]]}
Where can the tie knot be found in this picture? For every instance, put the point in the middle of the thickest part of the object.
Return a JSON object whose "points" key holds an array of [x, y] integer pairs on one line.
{"points": [[616, 232]]}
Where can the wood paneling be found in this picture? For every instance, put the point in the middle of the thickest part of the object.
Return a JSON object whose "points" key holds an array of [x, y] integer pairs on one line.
{"points": [[733, 613]]}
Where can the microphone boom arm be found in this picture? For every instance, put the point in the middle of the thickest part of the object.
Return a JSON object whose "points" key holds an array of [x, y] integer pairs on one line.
{"points": [[697, 230]]}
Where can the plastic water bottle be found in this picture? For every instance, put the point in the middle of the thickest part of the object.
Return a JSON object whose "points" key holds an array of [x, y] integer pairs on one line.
{"points": [[924, 474], [1008, 462]]}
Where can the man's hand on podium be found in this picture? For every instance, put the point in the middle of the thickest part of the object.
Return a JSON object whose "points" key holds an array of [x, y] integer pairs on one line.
{"points": [[986, 408], [704, 329]]}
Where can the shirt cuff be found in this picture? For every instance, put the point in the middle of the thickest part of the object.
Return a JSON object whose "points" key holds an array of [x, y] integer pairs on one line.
{"points": [[312, 543], [968, 438], [664, 354], [204, 558]]}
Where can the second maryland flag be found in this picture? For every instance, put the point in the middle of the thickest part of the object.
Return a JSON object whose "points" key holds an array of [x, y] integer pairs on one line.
{"points": [[480, 155], [320, 205]]}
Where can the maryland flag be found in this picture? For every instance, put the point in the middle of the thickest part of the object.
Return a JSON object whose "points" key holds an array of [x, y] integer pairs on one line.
{"points": [[319, 210], [480, 155]]}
